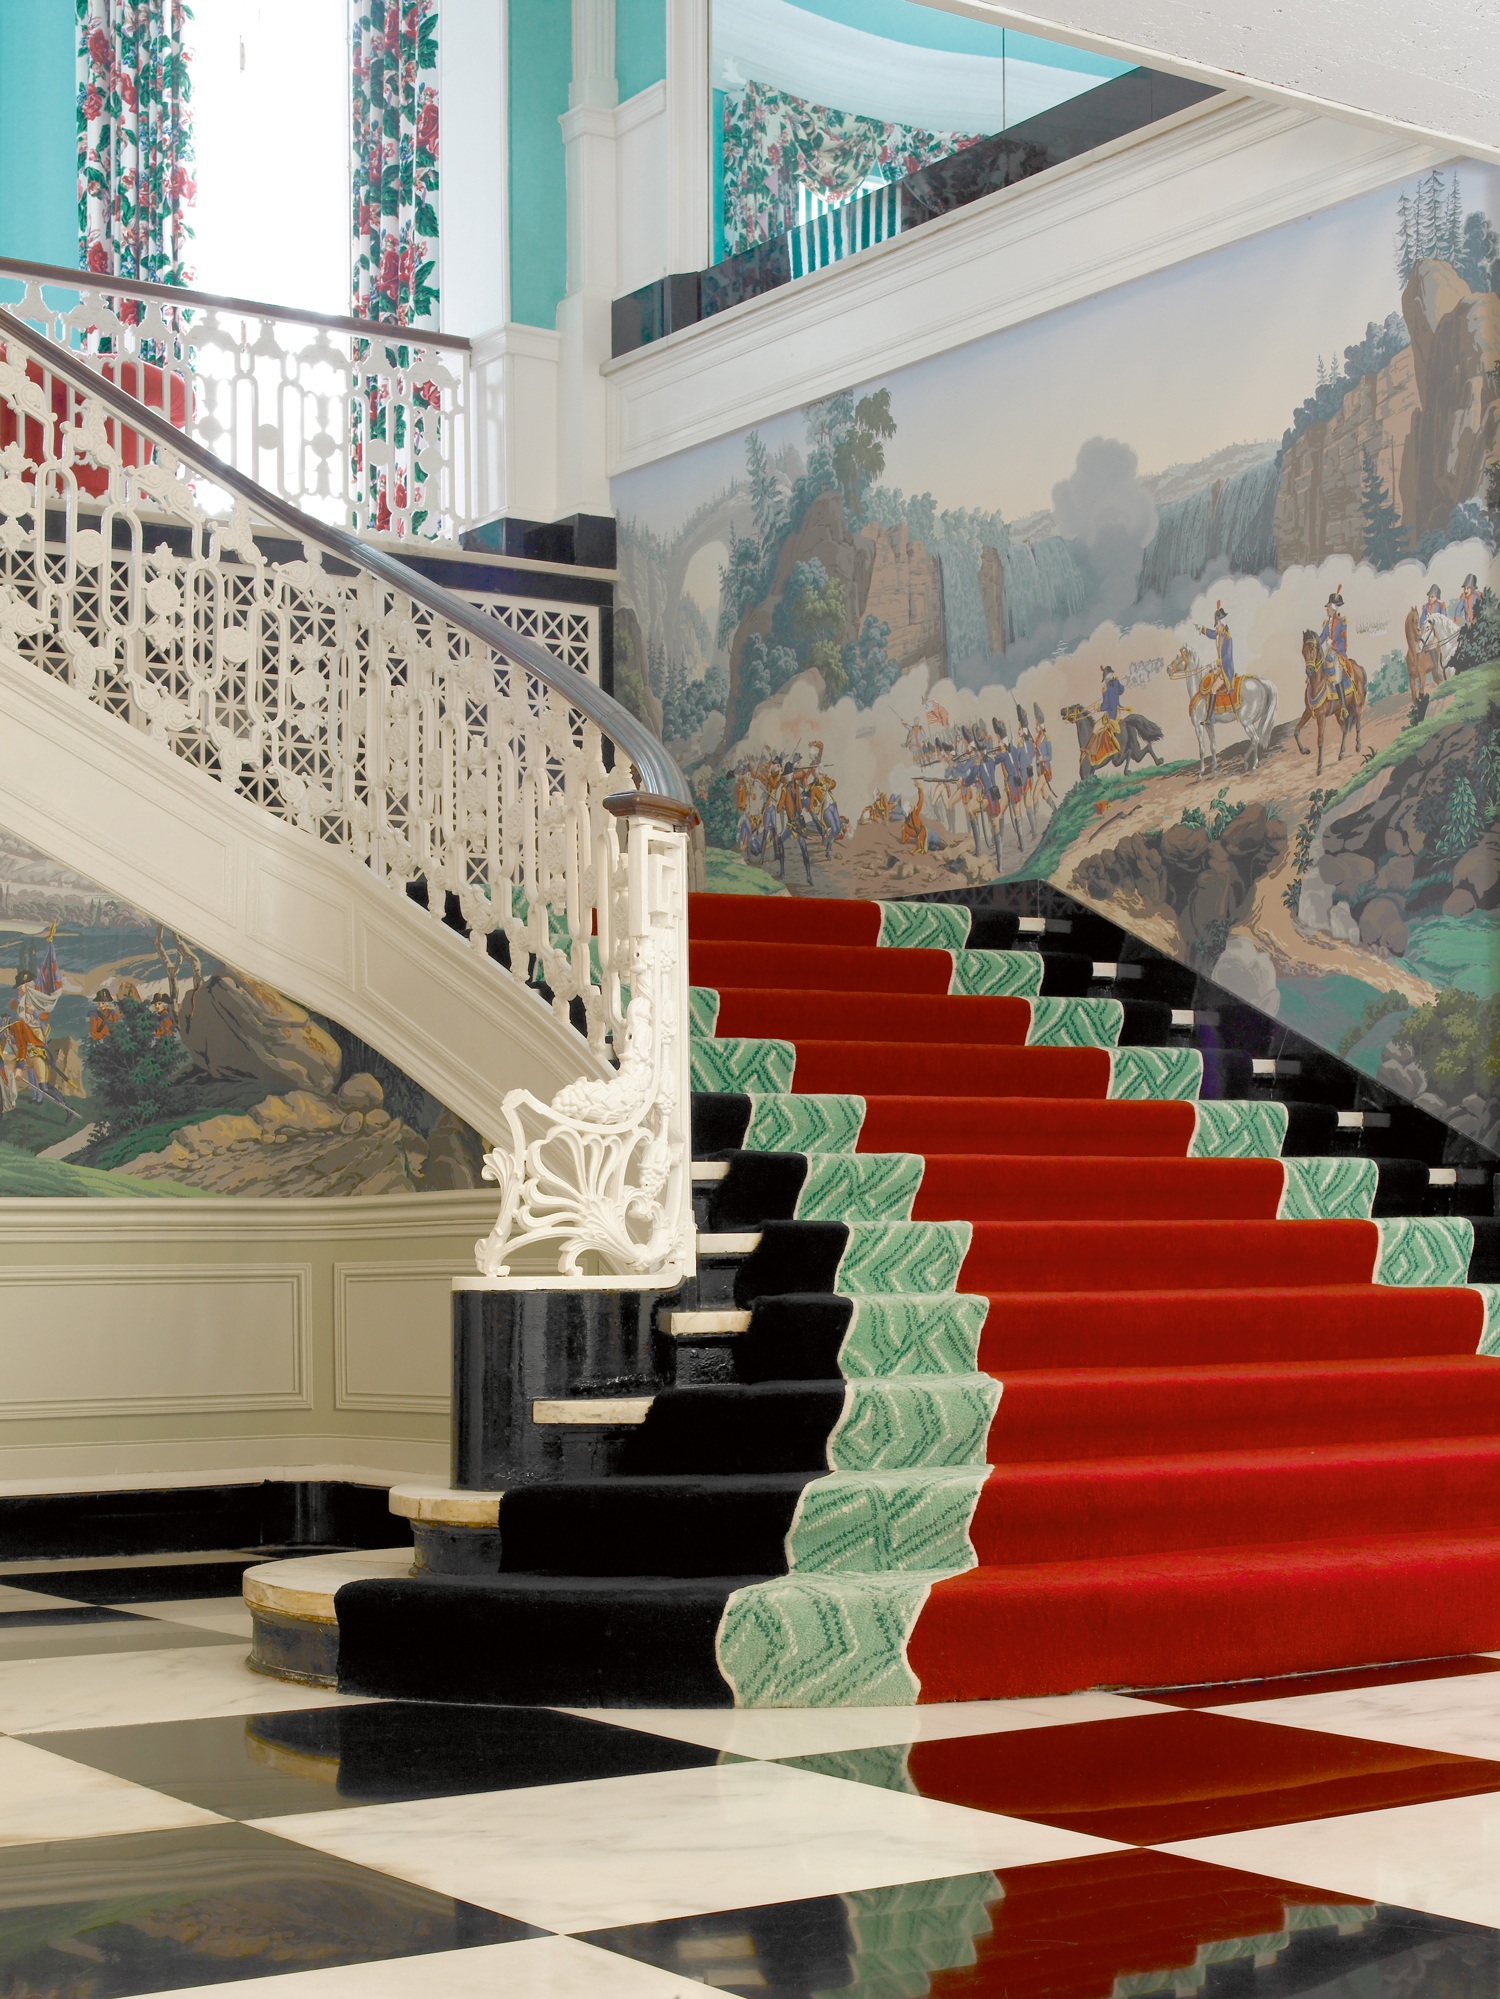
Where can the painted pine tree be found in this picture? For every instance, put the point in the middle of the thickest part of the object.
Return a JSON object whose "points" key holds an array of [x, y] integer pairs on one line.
{"points": [[1384, 540]]}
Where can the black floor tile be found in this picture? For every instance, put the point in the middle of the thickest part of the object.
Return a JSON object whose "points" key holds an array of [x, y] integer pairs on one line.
{"points": [[1231, 1693], [1178, 1774], [153, 1912], [139, 1582], [66, 1634], [316, 1759], [1134, 1922], [48, 1613]]}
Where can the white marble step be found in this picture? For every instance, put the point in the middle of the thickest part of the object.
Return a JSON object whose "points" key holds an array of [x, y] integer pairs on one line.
{"points": [[683, 1325], [592, 1409]]}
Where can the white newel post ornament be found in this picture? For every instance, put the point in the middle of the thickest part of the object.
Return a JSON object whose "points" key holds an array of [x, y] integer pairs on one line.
{"points": [[603, 1174]]}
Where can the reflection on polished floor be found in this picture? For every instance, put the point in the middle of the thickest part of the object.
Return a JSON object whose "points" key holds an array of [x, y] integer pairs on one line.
{"points": [[172, 1822]]}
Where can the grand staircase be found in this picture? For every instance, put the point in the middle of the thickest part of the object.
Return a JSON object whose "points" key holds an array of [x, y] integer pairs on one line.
{"points": [[1042, 1338], [1050, 1322]]}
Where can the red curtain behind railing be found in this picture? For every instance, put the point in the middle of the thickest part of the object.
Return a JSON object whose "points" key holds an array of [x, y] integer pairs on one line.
{"points": [[141, 379]]}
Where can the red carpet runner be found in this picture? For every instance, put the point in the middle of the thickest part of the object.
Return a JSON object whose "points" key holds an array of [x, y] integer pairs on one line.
{"points": [[1221, 1451]]}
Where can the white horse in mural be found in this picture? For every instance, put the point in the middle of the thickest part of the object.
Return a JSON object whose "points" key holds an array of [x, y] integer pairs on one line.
{"points": [[1440, 634], [1253, 706]]}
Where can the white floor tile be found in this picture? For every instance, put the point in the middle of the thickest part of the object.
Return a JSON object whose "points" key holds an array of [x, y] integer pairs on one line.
{"points": [[538, 1968], [43, 1796], [1461, 1715], [228, 1614], [675, 1843], [32, 1599], [104, 1690], [813, 1731], [1443, 1857]]}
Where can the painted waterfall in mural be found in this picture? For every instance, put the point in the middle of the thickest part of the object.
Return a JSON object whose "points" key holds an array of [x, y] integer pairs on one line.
{"points": [[132, 1062], [1184, 597]]}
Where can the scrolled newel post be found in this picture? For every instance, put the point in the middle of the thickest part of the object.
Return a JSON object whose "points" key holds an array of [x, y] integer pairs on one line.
{"points": [[600, 1178]]}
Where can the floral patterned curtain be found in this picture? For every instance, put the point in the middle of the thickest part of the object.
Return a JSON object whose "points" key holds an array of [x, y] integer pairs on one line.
{"points": [[135, 139], [395, 179], [774, 143], [394, 184]]}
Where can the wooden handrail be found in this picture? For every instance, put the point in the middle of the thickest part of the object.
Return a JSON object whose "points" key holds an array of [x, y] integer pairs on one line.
{"points": [[367, 329], [659, 775]]}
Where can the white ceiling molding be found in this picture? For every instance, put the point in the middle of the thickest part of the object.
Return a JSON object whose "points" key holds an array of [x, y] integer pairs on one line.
{"points": [[1429, 72], [1223, 170], [826, 62]]}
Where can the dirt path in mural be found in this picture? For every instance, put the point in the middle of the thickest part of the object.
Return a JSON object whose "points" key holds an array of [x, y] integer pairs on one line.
{"points": [[872, 861], [1284, 783]]}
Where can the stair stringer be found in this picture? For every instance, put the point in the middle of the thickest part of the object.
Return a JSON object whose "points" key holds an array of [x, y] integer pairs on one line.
{"points": [[273, 901]]}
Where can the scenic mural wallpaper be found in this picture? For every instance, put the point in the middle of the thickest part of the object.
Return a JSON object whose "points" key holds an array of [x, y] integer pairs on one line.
{"points": [[1185, 597], [133, 1063]]}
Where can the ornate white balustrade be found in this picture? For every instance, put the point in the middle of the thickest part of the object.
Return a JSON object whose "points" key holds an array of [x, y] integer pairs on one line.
{"points": [[361, 426], [327, 684]]}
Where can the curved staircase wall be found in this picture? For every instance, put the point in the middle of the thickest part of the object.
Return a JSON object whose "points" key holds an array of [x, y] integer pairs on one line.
{"points": [[269, 900]]}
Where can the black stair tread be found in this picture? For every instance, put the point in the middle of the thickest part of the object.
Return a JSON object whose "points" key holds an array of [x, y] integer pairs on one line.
{"points": [[723, 1427], [537, 1640], [675, 1526]]}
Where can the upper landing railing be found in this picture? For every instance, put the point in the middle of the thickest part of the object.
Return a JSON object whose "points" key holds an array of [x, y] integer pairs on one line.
{"points": [[324, 682], [362, 425], [1109, 111]]}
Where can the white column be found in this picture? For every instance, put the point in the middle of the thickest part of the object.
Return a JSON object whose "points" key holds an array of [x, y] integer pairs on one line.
{"points": [[583, 318], [690, 235]]}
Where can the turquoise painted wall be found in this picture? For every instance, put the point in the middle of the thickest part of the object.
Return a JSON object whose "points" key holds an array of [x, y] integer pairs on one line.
{"points": [[539, 64], [38, 132], [640, 45]]}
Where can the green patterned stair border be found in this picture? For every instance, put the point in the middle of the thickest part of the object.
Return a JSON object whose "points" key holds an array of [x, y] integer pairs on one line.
{"points": [[923, 926], [742, 1065], [903, 1937], [884, 1768], [914, 1334], [783, 1123], [1347, 1918], [914, 1421], [823, 1641], [860, 1523], [1328, 1190], [1424, 1250], [703, 1011], [1489, 1339], [1075, 1023], [860, 1186], [1137, 1075], [997, 974], [902, 1256], [1226, 1129]]}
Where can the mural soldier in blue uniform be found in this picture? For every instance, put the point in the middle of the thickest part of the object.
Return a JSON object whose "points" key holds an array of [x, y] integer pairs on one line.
{"points": [[1333, 643]]}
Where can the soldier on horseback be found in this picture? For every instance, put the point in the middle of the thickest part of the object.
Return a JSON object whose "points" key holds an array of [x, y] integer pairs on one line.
{"points": [[1105, 741], [1221, 684], [1333, 645]]}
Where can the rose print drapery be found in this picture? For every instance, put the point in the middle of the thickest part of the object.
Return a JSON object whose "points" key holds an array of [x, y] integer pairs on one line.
{"points": [[393, 50], [135, 138], [394, 186], [774, 142]]}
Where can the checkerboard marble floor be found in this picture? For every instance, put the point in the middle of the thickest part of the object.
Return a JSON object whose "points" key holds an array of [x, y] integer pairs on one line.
{"points": [[172, 1822]]}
